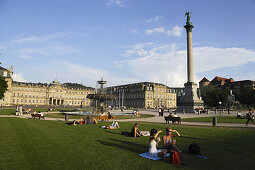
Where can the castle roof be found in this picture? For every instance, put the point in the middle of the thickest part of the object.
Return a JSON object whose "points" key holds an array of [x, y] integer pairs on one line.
{"points": [[204, 80]]}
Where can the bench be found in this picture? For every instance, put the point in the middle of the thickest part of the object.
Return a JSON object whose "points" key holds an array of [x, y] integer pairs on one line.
{"points": [[37, 115], [105, 117], [173, 119]]}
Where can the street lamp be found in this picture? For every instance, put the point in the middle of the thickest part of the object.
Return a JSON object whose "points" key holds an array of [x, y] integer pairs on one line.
{"points": [[220, 107]]}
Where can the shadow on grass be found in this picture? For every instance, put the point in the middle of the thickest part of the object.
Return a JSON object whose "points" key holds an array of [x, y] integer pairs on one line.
{"points": [[116, 133], [126, 145], [129, 146]]}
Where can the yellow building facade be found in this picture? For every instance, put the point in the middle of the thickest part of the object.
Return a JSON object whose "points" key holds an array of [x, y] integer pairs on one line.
{"points": [[143, 95], [53, 94]]}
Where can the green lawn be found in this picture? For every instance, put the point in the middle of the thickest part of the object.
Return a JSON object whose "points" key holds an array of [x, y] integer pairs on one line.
{"points": [[62, 115], [7, 111], [39, 144], [220, 119]]}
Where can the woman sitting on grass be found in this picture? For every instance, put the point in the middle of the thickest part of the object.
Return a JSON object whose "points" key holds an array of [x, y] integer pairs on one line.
{"points": [[168, 142], [134, 131], [153, 143]]}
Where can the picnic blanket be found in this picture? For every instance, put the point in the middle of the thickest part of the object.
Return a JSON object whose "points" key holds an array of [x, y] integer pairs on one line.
{"points": [[201, 156], [147, 155]]}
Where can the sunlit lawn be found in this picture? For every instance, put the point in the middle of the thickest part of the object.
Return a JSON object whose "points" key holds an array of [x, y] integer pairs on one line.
{"points": [[220, 119], [39, 144]]}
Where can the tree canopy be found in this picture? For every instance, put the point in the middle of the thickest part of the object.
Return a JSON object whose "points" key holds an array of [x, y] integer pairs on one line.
{"points": [[3, 87], [212, 96], [246, 96]]}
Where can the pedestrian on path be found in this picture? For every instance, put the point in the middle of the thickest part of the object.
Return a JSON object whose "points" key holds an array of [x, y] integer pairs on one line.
{"points": [[249, 117]]}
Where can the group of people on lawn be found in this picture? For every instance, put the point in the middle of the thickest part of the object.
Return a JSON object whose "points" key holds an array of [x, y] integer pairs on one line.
{"points": [[84, 121], [168, 141]]}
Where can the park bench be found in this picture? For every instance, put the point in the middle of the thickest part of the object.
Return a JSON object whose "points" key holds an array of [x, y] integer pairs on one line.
{"points": [[173, 119], [105, 117], [34, 115]]}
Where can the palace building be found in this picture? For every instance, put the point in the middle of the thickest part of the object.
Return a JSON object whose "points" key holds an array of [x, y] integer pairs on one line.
{"points": [[142, 95], [136, 95], [53, 94]]}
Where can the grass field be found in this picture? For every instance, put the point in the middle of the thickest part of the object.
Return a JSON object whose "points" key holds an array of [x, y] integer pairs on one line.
{"points": [[7, 111], [220, 119], [62, 115], [38, 144]]}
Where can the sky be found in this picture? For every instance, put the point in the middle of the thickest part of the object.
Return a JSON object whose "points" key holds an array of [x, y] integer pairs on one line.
{"points": [[126, 41]]}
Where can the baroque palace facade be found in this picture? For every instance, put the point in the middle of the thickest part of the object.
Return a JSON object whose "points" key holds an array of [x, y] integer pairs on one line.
{"points": [[136, 95], [143, 95], [53, 94]]}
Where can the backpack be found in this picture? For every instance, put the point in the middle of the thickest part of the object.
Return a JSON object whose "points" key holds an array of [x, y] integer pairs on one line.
{"points": [[194, 149], [175, 158]]}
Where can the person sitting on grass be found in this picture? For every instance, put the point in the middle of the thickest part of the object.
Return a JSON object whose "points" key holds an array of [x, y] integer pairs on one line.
{"points": [[134, 131], [114, 125], [168, 142], [74, 123], [81, 121], [153, 143]]}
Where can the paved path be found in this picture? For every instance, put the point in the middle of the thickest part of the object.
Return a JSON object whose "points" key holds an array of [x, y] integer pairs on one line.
{"points": [[157, 119]]}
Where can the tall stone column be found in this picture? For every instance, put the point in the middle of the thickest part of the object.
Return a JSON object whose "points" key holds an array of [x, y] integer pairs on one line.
{"points": [[190, 100], [190, 70]]}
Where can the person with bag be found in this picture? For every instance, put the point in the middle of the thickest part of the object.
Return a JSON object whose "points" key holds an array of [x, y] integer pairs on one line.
{"points": [[169, 143], [249, 117]]}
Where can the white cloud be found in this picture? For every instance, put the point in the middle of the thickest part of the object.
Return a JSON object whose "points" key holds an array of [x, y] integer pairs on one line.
{"points": [[53, 50], [25, 57], [75, 73], [42, 38], [155, 30], [119, 3], [18, 77], [138, 49], [168, 63], [175, 31], [155, 19]]}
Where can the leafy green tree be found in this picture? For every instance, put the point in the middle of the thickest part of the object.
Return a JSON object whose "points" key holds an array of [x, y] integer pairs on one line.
{"points": [[3, 87], [246, 96], [212, 96]]}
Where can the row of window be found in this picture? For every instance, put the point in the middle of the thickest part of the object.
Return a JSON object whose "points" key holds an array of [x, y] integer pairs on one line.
{"points": [[44, 90], [169, 97], [169, 104], [44, 96], [28, 101]]}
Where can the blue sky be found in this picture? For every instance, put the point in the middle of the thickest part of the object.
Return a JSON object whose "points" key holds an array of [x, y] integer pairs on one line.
{"points": [[126, 41]]}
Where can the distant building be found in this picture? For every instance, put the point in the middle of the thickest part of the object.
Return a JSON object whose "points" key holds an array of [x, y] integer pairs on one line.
{"points": [[220, 82], [53, 94], [143, 95]]}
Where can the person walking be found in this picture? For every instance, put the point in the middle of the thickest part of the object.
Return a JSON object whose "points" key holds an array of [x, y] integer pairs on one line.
{"points": [[249, 117]]}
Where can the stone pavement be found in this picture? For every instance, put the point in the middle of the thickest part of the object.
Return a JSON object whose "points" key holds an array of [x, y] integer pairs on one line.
{"points": [[157, 119]]}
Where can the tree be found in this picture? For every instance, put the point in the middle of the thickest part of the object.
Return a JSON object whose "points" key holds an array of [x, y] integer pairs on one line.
{"points": [[212, 96], [3, 87], [246, 96]]}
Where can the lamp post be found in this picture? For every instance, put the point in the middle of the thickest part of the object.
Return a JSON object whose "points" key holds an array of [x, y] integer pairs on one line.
{"points": [[220, 107]]}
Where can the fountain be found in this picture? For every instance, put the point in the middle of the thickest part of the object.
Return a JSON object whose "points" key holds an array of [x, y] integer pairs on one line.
{"points": [[99, 99]]}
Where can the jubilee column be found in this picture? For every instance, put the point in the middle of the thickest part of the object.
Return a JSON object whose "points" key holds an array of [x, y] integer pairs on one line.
{"points": [[189, 101], [188, 27]]}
